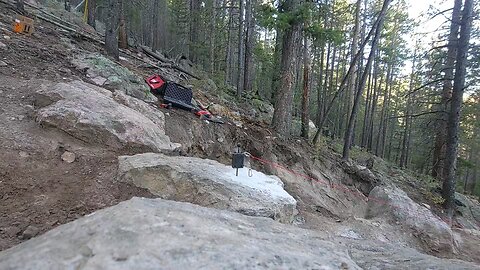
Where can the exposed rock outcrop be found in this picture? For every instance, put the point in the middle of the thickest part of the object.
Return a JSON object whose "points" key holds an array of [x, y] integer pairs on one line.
{"points": [[106, 73], [151, 233], [395, 205], [89, 113], [468, 212], [208, 183], [364, 179]]}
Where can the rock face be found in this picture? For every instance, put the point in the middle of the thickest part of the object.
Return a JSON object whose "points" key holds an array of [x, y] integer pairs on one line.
{"points": [[395, 205], [153, 233], [468, 212], [374, 255], [104, 72], [365, 179], [89, 113], [208, 183]]}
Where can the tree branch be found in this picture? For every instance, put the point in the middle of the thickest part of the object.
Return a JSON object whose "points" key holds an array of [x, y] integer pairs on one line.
{"points": [[440, 13], [416, 115], [423, 86]]}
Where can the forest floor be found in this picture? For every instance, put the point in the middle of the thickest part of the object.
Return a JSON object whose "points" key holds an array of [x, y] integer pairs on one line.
{"points": [[40, 191]]}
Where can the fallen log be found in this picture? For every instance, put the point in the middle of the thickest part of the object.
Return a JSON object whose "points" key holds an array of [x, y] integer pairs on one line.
{"points": [[69, 29], [169, 63], [60, 20]]}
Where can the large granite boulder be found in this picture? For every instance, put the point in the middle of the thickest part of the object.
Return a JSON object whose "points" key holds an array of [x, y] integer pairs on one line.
{"points": [[208, 183], [90, 113], [394, 205], [158, 234]]}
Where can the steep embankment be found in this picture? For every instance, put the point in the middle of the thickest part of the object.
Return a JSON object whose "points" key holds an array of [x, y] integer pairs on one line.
{"points": [[62, 133]]}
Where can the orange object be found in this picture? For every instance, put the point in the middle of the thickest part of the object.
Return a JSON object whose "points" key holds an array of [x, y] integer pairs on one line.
{"points": [[23, 25]]}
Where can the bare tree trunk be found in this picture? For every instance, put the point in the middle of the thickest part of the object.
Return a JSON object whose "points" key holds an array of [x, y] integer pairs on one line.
{"points": [[229, 52], [366, 121], [472, 184], [354, 47], [195, 20], [306, 88], [382, 129], [249, 46], [349, 133], [345, 78], [320, 102], [122, 28], [213, 33], [241, 50], [277, 57], [376, 90], [448, 191], [111, 32], [408, 118], [283, 99], [146, 27], [441, 130], [159, 29], [91, 9]]}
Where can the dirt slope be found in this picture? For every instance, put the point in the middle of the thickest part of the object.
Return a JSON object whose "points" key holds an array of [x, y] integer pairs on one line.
{"points": [[37, 188]]}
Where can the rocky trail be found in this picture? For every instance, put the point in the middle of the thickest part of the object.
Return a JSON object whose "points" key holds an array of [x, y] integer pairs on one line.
{"points": [[94, 175]]}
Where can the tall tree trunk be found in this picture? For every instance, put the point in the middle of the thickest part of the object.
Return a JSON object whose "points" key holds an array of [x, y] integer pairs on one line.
{"points": [[448, 191], [306, 88], [155, 21], [472, 184], [249, 45], [277, 58], [408, 118], [349, 133], [283, 99], [371, 125], [213, 33], [146, 27], [382, 129], [366, 121], [354, 47], [441, 130], [195, 20], [320, 102], [122, 28], [357, 57], [111, 32], [159, 22], [229, 53], [241, 50], [91, 10]]}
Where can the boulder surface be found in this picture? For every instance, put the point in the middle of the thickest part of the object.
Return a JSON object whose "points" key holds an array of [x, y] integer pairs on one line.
{"points": [[158, 234], [106, 73], [468, 212], [90, 113], [395, 205], [208, 183]]}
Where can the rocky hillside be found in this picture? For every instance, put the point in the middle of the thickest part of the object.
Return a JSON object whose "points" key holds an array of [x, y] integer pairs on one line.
{"points": [[80, 137]]}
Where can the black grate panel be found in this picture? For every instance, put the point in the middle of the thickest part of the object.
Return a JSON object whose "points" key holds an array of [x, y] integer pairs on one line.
{"points": [[179, 96]]}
